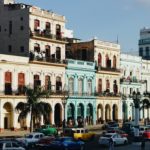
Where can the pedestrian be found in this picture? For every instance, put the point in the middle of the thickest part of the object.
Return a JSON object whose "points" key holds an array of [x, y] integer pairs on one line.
{"points": [[111, 144]]}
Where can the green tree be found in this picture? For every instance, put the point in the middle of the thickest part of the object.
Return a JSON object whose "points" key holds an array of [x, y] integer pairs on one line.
{"points": [[34, 106]]}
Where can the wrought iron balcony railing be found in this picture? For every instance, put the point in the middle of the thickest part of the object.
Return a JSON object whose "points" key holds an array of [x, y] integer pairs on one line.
{"points": [[100, 68], [40, 57]]}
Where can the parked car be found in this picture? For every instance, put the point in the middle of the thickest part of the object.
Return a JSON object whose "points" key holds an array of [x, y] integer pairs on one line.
{"points": [[117, 139], [79, 133], [111, 124], [44, 141], [121, 132], [47, 130], [10, 145], [31, 138], [66, 143], [146, 135], [142, 129], [128, 127]]}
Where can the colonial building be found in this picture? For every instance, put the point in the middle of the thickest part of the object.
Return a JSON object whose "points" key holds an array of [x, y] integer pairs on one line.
{"points": [[106, 55], [32, 54], [144, 43], [131, 80], [80, 79]]}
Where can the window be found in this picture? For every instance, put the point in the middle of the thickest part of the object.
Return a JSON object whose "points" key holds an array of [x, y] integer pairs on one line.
{"points": [[10, 27], [58, 53], [80, 86], [15, 145], [47, 83], [48, 52], [71, 85], [37, 47], [115, 87], [100, 86], [114, 62], [47, 26], [8, 145], [8, 83], [36, 25], [9, 48], [141, 51], [89, 87], [108, 62], [21, 27], [58, 31], [37, 136], [107, 85], [21, 18], [99, 59], [58, 84], [21, 83], [37, 81], [22, 49]]}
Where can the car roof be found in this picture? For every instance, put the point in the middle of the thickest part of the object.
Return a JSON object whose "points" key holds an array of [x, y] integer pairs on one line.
{"points": [[35, 133], [110, 133]]}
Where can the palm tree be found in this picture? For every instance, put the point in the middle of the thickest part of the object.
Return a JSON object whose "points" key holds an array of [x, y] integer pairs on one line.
{"points": [[33, 106]]}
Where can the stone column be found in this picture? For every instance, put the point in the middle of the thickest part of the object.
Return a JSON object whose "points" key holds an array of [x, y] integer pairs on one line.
{"points": [[1, 118], [2, 81], [76, 113], [94, 115], [52, 116], [76, 84], [85, 114], [28, 121], [15, 123], [14, 81], [85, 85]]}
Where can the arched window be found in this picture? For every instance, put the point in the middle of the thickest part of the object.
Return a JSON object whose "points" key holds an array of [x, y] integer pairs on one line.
{"points": [[115, 87], [108, 62], [89, 87], [58, 53], [36, 47], [100, 86], [48, 27], [58, 32], [8, 83], [48, 52], [107, 86], [80, 86], [36, 25], [21, 83], [71, 85], [99, 59], [58, 84], [114, 61], [47, 83], [37, 81]]}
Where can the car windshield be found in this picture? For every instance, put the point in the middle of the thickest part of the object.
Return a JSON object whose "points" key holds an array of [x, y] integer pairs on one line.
{"points": [[44, 126], [107, 135], [29, 136]]}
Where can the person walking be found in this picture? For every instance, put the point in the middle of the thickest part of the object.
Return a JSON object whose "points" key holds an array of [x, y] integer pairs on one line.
{"points": [[111, 144]]}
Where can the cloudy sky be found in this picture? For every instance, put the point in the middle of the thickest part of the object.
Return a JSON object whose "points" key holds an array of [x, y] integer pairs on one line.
{"points": [[104, 19]]}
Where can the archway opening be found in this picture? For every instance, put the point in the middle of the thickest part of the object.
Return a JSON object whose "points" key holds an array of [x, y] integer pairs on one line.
{"points": [[107, 113], [58, 115], [8, 116], [80, 115], [89, 114], [100, 114], [115, 112], [70, 115]]}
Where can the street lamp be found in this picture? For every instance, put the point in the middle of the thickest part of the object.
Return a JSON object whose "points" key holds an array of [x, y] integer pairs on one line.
{"points": [[136, 100], [65, 97]]}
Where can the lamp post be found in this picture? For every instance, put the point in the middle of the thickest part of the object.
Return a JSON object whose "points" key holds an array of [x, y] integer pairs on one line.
{"points": [[64, 102], [136, 100]]}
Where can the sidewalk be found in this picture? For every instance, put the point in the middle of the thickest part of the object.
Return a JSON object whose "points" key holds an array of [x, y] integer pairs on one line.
{"points": [[9, 133]]}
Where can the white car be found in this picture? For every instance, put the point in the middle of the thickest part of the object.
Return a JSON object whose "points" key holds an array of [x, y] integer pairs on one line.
{"points": [[117, 139], [10, 145], [31, 138]]}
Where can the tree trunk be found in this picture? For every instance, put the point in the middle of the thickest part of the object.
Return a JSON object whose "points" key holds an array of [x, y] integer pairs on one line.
{"points": [[31, 121]]}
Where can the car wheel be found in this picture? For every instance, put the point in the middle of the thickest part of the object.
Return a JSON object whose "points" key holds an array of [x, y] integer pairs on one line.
{"points": [[82, 147], [125, 142]]}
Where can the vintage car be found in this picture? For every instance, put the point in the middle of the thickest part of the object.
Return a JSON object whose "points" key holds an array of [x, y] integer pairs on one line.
{"points": [[47, 130], [65, 143], [79, 133]]}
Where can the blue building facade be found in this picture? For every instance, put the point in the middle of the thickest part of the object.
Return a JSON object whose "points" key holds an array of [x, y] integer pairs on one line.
{"points": [[81, 104]]}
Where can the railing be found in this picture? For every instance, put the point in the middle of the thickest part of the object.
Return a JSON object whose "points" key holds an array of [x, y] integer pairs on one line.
{"points": [[48, 35], [40, 57], [131, 80], [107, 94], [99, 68]]}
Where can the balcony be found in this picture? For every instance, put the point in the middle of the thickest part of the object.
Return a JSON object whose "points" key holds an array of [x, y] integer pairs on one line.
{"points": [[107, 94], [131, 80], [108, 69], [47, 35], [34, 56]]}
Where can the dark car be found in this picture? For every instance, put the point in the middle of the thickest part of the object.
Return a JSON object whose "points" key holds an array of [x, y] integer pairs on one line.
{"points": [[111, 124], [65, 143]]}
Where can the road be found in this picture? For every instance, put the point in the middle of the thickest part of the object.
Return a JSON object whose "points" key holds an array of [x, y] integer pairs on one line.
{"points": [[93, 145]]}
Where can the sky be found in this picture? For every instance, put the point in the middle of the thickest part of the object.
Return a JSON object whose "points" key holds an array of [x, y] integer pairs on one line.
{"points": [[104, 19]]}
